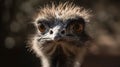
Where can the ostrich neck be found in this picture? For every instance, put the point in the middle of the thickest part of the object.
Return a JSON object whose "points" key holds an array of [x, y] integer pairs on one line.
{"points": [[59, 59]]}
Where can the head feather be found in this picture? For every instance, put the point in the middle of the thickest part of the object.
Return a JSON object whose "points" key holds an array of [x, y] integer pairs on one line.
{"points": [[63, 11]]}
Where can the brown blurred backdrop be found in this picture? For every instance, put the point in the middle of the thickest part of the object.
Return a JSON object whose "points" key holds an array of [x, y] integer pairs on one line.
{"points": [[15, 19]]}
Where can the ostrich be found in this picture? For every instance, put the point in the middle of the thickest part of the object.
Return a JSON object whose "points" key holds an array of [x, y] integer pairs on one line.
{"points": [[60, 39]]}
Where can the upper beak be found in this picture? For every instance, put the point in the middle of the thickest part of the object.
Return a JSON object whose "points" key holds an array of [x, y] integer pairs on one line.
{"points": [[57, 37]]}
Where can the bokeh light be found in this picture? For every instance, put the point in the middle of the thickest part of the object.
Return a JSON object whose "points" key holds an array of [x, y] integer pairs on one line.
{"points": [[10, 42]]}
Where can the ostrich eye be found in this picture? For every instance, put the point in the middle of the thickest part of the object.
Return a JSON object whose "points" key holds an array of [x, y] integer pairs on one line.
{"points": [[75, 26], [41, 27]]}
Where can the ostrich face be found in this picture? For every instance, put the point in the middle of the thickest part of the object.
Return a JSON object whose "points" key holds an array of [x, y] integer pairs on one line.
{"points": [[68, 35]]}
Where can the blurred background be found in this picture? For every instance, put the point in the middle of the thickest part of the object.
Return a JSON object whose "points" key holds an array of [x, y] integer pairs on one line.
{"points": [[15, 19]]}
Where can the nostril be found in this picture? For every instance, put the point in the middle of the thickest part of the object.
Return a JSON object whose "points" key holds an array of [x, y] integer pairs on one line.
{"points": [[51, 32], [63, 32]]}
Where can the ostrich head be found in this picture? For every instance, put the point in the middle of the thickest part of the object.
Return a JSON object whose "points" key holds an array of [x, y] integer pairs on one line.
{"points": [[60, 39]]}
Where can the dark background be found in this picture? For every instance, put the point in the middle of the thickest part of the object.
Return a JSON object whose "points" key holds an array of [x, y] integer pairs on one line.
{"points": [[15, 18]]}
